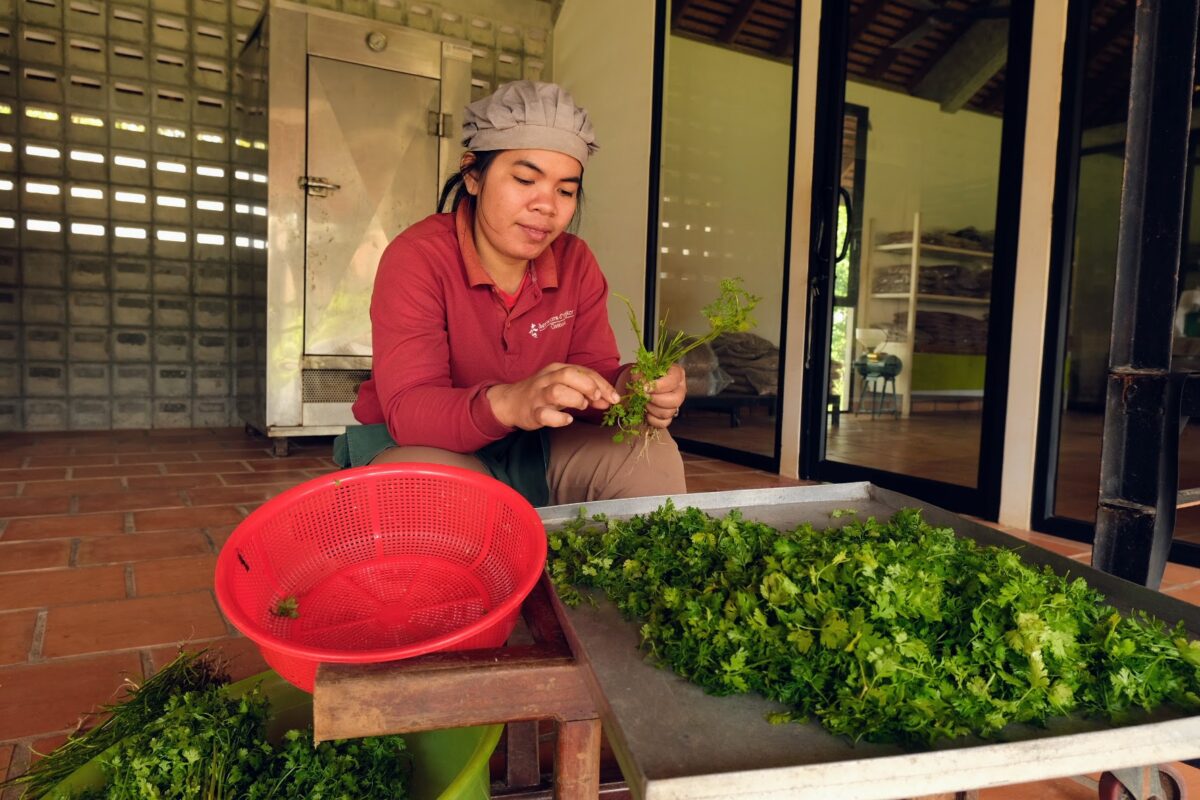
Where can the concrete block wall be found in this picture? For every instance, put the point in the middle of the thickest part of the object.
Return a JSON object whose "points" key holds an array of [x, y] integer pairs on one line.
{"points": [[117, 216]]}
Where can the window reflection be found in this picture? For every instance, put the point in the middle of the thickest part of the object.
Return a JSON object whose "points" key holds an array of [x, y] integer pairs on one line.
{"points": [[723, 213]]}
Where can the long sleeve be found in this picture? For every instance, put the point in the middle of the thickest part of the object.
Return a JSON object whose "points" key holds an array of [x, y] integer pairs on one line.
{"points": [[593, 343], [411, 368]]}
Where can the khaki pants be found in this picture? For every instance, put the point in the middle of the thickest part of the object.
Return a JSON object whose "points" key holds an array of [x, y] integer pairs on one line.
{"points": [[585, 464]]}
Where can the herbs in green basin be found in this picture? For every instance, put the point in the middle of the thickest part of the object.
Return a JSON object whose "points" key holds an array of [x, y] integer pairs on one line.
{"points": [[729, 313], [181, 735], [142, 704], [889, 632], [210, 746]]}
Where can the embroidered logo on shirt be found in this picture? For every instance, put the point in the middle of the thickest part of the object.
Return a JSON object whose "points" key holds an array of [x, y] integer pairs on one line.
{"points": [[554, 323]]}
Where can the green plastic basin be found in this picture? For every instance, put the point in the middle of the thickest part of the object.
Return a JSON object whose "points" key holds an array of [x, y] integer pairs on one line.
{"points": [[447, 765]]}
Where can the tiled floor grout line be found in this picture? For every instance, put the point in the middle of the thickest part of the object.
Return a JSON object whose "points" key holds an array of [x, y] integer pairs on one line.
{"points": [[39, 635], [21, 757], [147, 663]]}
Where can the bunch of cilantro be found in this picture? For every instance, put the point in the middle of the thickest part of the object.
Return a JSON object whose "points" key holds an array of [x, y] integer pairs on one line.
{"points": [[208, 745], [729, 313], [890, 631]]}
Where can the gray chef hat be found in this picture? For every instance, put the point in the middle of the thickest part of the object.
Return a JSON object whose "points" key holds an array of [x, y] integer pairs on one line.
{"points": [[529, 115]]}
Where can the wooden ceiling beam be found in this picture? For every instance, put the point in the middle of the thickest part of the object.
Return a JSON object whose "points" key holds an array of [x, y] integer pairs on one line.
{"points": [[890, 54], [785, 45], [737, 19], [867, 13], [1118, 24], [884, 63], [972, 60], [678, 9]]}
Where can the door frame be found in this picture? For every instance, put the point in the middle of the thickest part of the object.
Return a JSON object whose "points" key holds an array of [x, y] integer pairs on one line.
{"points": [[984, 498], [767, 463], [1066, 198]]}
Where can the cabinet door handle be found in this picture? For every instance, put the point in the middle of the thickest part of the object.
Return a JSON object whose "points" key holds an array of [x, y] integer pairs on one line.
{"points": [[317, 187], [845, 246]]}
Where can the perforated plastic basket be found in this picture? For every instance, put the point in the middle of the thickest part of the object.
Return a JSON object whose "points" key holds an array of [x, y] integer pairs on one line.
{"points": [[380, 563]]}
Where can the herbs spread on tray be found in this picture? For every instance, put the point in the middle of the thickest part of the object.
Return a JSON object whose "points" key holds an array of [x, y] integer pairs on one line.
{"points": [[729, 313], [892, 631]]}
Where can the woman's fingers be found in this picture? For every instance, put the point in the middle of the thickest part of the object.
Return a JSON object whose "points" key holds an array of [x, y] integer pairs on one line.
{"points": [[586, 382], [551, 417], [666, 396], [660, 416], [674, 381]]}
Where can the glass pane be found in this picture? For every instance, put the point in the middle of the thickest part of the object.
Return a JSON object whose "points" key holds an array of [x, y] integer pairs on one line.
{"points": [[1093, 262], [1093, 265], [723, 215], [920, 164]]}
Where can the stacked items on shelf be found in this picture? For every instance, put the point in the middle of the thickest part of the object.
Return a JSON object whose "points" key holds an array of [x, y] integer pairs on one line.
{"points": [[951, 280], [944, 332], [969, 238]]}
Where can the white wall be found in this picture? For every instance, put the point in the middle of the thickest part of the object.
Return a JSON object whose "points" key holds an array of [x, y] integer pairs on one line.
{"points": [[604, 55], [920, 158], [724, 181]]}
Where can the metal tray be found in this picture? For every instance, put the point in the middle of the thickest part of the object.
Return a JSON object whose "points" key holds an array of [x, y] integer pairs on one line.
{"points": [[674, 741]]}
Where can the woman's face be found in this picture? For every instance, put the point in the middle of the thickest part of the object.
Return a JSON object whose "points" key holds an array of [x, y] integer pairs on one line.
{"points": [[523, 202]]}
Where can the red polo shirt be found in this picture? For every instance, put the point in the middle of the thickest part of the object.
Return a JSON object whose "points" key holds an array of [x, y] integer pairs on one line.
{"points": [[442, 334]]}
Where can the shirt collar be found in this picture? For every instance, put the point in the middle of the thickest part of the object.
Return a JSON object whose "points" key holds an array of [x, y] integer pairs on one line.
{"points": [[545, 266]]}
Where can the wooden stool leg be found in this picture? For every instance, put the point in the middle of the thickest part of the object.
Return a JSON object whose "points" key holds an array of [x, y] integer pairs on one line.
{"points": [[521, 749], [577, 760]]}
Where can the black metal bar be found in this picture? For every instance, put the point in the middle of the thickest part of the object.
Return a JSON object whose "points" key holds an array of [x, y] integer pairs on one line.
{"points": [[1131, 540], [1062, 250], [826, 168], [1004, 259], [657, 93]]}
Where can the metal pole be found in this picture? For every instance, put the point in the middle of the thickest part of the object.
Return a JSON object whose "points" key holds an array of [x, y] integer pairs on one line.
{"points": [[1133, 529]]}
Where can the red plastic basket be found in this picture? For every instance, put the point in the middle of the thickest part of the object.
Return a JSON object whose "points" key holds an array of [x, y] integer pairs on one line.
{"points": [[380, 563]]}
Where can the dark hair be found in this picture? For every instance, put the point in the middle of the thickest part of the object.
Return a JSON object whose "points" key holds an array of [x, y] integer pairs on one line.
{"points": [[456, 186]]}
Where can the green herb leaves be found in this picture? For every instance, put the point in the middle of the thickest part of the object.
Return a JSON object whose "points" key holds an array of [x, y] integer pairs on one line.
{"points": [[210, 746], [180, 735], [729, 313], [287, 607], [140, 706], [896, 631]]}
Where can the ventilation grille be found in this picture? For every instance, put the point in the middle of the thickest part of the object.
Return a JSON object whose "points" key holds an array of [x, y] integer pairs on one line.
{"points": [[332, 385]]}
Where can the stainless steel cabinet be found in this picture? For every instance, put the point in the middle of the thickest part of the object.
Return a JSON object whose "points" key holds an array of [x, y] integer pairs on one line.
{"points": [[345, 130]]}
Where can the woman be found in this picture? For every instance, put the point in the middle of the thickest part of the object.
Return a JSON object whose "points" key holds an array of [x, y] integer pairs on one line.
{"points": [[492, 345]]}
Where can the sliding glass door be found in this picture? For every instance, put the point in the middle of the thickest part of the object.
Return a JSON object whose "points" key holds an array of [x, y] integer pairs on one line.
{"points": [[918, 176], [724, 175], [1088, 197]]}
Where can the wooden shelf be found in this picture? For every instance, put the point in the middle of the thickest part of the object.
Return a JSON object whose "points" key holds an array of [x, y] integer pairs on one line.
{"points": [[906, 251], [941, 249], [948, 299]]}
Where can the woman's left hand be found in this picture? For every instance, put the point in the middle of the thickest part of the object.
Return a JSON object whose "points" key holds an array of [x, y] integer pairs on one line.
{"points": [[666, 396]]}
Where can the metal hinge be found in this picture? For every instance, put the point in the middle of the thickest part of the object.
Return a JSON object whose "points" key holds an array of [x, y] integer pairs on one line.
{"points": [[317, 187], [440, 125]]}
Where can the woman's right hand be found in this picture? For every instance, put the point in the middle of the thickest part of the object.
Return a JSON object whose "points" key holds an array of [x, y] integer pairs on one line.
{"points": [[537, 401]]}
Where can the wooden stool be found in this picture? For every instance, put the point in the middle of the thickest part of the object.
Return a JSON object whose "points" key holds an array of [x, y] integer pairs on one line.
{"points": [[542, 680]]}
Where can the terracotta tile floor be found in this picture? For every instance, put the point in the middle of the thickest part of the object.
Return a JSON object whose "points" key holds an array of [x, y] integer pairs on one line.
{"points": [[107, 546]]}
